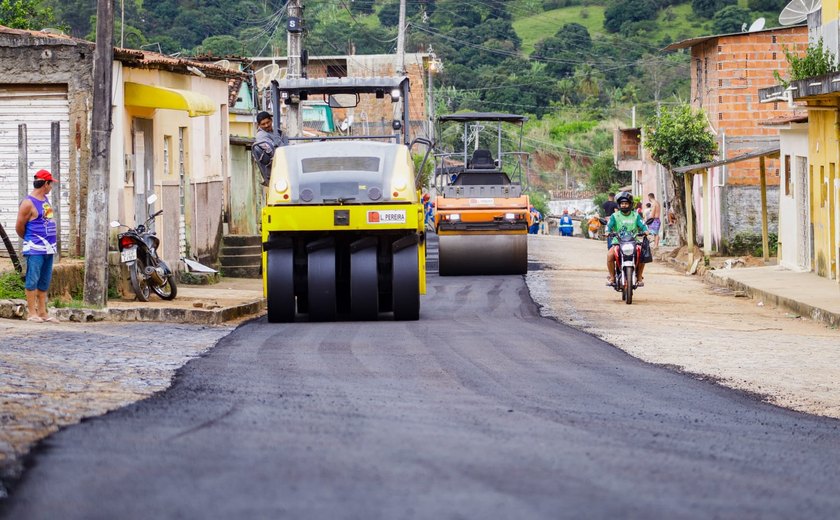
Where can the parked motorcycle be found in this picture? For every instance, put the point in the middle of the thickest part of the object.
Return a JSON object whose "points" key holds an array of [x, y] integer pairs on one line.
{"points": [[138, 250], [626, 264]]}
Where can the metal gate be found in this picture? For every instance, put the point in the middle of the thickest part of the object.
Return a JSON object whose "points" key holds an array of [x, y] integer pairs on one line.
{"points": [[37, 106], [803, 210]]}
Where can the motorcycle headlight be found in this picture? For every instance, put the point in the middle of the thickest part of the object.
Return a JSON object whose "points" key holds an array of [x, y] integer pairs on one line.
{"points": [[628, 249]]}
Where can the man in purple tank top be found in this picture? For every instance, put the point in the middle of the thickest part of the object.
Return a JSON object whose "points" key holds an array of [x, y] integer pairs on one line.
{"points": [[36, 226]]}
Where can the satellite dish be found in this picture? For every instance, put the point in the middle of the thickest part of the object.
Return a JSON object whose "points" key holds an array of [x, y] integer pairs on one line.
{"points": [[225, 64], [757, 25], [265, 75], [798, 10]]}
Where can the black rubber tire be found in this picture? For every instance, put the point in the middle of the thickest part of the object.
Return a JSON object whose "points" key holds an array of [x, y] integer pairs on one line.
{"points": [[628, 285], [170, 282], [280, 289], [138, 280], [321, 284], [406, 284], [364, 283]]}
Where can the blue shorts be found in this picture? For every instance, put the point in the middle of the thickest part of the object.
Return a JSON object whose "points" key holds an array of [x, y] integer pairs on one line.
{"points": [[38, 272]]}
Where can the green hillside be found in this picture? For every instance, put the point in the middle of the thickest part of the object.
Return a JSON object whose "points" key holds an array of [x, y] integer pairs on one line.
{"points": [[536, 27], [673, 23]]}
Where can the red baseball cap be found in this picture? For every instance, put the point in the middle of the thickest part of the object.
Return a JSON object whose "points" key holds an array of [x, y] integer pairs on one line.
{"points": [[44, 175]]}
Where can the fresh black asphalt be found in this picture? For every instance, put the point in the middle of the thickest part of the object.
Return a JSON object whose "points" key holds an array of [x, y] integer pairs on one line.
{"points": [[482, 409]]}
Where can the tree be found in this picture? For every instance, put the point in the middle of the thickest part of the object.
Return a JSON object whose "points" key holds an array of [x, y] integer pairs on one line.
{"points": [[220, 46], [708, 8], [564, 50], [730, 19], [767, 5], [25, 14], [623, 11], [604, 176], [389, 15], [679, 137]]}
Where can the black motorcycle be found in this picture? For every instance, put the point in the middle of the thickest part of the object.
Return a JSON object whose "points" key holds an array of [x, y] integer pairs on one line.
{"points": [[626, 264], [138, 250]]}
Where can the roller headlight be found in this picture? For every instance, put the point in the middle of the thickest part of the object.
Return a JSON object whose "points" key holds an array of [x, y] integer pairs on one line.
{"points": [[306, 195], [510, 216], [281, 186], [455, 217]]}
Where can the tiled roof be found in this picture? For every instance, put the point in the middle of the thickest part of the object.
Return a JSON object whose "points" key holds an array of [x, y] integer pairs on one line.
{"points": [[784, 120], [234, 84], [149, 59], [54, 38], [131, 57]]}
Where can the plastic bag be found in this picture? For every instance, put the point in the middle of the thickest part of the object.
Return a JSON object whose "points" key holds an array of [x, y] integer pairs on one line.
{"points": [[647, 254]]}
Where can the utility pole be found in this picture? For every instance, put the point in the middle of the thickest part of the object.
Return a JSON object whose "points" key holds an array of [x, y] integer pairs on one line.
{"points": [[431, 87], [96, 239], [401, 41], [122, 24], [294, 41]]}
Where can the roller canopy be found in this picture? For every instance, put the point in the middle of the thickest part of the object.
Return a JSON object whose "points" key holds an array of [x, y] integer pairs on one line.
{"points": [[148, 96], [342, 85], [484, 116]]}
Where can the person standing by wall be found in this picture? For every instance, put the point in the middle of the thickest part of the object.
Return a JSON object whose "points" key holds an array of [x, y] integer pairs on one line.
{"points": [[609, 206], [655, 218], [36, 226], [265, 143]]}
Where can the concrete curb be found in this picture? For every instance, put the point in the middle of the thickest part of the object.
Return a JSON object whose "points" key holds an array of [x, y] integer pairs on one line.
{"points": [[15, 309], [803, 309]]}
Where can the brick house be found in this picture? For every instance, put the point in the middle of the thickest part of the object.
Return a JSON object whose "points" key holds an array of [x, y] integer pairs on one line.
{"points": [[727, 71]]}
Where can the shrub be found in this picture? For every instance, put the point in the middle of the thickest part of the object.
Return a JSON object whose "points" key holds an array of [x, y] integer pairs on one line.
{"points": [[750, 244], [11, 286], [816, 62]]}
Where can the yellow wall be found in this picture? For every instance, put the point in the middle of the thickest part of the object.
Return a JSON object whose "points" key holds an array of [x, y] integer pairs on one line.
{"points": [[824, 157], [206, 158], [830, 10]]}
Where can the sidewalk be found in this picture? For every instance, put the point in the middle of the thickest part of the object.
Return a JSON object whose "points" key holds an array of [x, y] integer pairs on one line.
{"points": [[804, 294], [230, 299]]}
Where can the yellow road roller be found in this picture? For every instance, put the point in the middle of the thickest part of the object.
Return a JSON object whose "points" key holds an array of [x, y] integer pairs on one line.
{"points": [[481, 213], [342, 228]]}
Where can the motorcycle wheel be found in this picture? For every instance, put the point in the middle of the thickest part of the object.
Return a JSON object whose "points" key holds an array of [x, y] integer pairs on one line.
{"points": [[169, 289], [138, 280], [627, 295]]}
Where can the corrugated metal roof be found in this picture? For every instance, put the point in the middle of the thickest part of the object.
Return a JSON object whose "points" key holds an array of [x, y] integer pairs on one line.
{"points": [[691, 42], [738, 158], [342, 85], [484, 116]]}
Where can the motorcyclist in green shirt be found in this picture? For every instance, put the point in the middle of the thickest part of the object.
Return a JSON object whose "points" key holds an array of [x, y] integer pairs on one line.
{"points": [[625, 219]]}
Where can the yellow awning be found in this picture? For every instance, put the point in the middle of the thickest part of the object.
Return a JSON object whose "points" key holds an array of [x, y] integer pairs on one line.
{"points": [[148, 96]]}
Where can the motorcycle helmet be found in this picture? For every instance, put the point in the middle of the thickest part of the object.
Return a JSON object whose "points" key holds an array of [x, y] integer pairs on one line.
{"points": [[625, 197]]}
